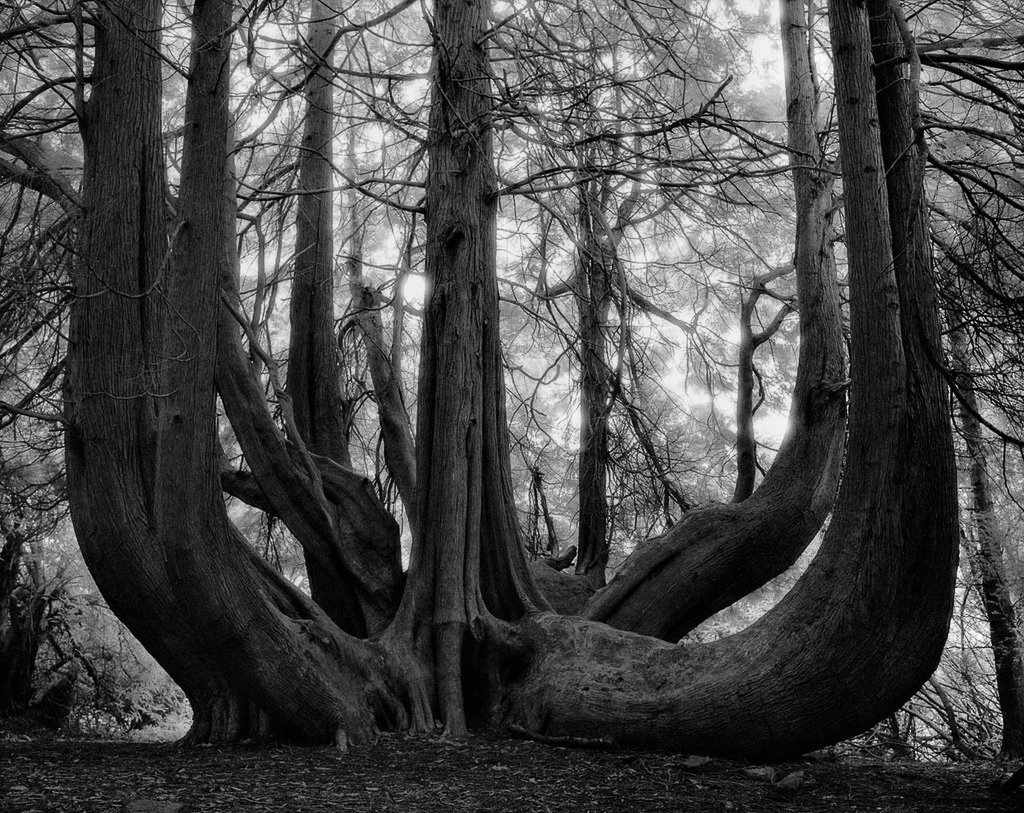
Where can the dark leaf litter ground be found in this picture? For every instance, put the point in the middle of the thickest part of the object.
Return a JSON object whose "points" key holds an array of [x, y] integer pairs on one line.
{"points": [[478, 774]]}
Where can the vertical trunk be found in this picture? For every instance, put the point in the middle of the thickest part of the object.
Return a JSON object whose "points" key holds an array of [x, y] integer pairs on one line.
{"points": [[246, 647], [593, 299], [746, 440], [313, 681], [989, 568], [21, 612], [111, 383], [468, 565]]}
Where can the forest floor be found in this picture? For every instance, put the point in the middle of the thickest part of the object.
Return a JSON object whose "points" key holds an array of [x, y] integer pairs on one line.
{"points": [[481, 773]]}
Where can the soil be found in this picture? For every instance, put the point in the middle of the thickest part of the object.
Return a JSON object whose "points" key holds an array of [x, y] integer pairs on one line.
{"points": [[481, 773]]}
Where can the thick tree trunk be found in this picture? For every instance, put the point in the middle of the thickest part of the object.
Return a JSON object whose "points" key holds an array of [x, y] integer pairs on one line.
{"points": [[246, 647], [865, 626], [859, 633], [468, 568], [313, 372], [715, 556]]}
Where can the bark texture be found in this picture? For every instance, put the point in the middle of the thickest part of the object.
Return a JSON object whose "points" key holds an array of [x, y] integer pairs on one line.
{"points": [[321, 414], [111, 391], [468, 568], [249, 650]]}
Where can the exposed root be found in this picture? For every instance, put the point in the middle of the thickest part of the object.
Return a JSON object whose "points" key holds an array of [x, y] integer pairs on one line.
{"points": [[600, 743]]}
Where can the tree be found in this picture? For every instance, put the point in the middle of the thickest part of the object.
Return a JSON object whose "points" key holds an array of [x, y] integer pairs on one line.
{"points": [[716, 555], [156, 336]]}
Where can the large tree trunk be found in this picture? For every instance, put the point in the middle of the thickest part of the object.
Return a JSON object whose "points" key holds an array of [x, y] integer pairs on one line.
{"points": [[715, 556], [468, 568], [865, 626], [859, 633], [313, 372], [111, 388], [141, 445]]}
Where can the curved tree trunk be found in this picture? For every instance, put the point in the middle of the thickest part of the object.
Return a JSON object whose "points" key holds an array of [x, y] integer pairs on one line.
{"points": [[859, 633], [246, 647], [865, 626], [715, 556], [111, 389]]}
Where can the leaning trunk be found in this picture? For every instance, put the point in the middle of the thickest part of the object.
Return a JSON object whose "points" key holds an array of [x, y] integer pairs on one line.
{"points": [[468, 570]]}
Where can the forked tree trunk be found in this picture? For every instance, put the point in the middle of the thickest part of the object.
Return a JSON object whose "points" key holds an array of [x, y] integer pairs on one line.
{"points": [[866, 624], [714, 556], [468, 570], [111, 388]]}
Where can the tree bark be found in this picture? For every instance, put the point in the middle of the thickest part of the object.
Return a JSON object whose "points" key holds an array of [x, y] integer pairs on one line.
{"points": [[111, 392], [857, 635], [468, 569], [715, 556], [746, 439], [244, 644]]}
